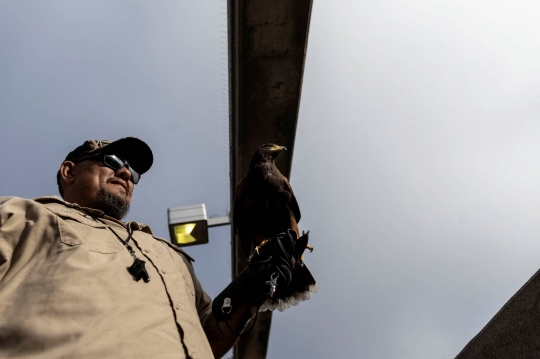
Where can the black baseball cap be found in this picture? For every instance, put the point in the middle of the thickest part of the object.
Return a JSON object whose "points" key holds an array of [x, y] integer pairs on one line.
{"points": [[135, 151]]}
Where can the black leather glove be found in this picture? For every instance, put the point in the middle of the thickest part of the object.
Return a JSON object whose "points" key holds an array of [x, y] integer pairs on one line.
{"points": [[268, 270]]}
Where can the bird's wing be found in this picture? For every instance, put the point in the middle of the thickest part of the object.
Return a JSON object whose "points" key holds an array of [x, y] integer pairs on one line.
{"points": [[293, 204]]}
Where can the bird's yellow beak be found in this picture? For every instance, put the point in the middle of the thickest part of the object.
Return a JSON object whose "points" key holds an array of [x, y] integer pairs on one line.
{"points": [[279, 148]]}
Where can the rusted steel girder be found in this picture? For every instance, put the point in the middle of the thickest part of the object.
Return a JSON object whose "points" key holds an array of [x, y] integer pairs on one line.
{"points": [[267, 51]]}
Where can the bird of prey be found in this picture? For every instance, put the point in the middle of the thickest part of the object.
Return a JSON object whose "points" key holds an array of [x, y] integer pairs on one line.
{"points": [[265, 206]]}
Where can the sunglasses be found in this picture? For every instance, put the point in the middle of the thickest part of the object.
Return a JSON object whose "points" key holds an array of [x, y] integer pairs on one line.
{"points": [[116, 164]]}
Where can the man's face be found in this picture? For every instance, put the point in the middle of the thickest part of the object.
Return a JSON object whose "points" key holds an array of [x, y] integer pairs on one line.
{"points": [[97, 186]]}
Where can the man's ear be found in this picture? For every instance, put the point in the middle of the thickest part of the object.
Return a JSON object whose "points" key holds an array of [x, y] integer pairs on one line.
{"points": [[67, 172]]}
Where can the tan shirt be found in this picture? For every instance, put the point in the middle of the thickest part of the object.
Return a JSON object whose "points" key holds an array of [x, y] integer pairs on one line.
{"points": [[65, 291]]}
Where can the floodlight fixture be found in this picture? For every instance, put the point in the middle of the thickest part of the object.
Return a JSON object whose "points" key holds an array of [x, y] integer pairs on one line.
{"points": [[188, 225]]}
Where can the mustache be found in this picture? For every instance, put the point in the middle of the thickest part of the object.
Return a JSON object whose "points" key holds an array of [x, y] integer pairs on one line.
{"points": [[125, 184]]}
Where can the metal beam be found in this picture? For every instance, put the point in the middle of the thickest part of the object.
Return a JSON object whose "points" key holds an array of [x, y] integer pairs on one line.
{"points": [[267, 50], [219, 221], [514, 332]]}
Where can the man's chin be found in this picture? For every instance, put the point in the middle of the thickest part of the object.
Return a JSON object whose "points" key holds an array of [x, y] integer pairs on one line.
{"points": [[114, 204]]}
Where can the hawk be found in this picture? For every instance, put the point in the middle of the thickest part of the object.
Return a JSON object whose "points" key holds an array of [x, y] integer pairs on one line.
{"points": [[265, 206]]}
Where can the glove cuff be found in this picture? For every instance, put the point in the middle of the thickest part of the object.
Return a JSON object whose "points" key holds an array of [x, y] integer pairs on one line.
{"points": [[268, 270]]}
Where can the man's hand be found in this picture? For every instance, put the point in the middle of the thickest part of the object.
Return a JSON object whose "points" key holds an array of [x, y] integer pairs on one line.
{"points": [[269, 270]]}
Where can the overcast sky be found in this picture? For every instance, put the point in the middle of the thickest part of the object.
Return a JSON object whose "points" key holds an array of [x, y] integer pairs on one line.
{"points": [[417, 157]]}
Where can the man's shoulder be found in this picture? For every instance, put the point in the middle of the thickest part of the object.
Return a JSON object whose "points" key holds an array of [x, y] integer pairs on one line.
{"points": [[10, 203], [19, 209], [43, 199], [49, 199], [4, 199], [14, 200]]}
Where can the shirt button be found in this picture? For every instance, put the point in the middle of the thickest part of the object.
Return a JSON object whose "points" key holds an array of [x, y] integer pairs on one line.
{"points": [[177, 306], [163, 271], [146, 250]]}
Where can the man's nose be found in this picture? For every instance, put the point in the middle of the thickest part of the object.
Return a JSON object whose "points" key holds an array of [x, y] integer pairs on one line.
{"points": [[123, 173]]}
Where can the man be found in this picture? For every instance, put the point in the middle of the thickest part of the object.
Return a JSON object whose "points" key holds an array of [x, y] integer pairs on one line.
{"points": [[76, 282]]}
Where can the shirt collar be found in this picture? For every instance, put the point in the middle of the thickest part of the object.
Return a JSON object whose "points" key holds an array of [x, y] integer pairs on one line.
{"points": [[93, 212]]}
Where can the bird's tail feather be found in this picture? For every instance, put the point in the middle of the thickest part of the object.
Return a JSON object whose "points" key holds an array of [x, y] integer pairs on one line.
{"points": [[302, 286]]}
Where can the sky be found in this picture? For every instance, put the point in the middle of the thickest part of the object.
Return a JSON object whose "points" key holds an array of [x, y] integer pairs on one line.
{"points": [[416, 163]]}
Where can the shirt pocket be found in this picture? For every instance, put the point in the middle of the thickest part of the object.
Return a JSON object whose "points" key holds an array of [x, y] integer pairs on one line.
{"points": [[76, 230], [178, 263]]}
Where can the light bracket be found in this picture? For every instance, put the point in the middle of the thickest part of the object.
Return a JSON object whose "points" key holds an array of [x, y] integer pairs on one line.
{"points": [[188, 225]]}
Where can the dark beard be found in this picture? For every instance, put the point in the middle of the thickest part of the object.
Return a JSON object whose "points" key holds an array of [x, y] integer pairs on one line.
{"points": [[111, 204]]}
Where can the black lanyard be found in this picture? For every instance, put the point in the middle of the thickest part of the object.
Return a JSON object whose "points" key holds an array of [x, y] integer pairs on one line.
{"points": [[138, 268]]}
